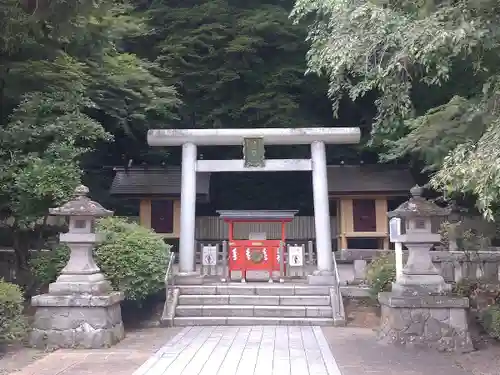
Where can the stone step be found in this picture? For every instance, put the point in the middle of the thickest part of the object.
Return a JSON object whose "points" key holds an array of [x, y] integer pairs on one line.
{"points": [[247, 321], [253, 311], [261, 289], [235, 299]]}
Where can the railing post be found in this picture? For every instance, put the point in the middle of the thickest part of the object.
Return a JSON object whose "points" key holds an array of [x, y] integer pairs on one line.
{"points": [[310, 256], [225, 275], [336, 297], [282, 261], [286, 267], [198, 246], [198, 249], [213, 268]]}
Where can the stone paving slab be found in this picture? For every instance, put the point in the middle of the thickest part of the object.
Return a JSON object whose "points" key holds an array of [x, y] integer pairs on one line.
{"points": [[249, 350], [121, 359]]}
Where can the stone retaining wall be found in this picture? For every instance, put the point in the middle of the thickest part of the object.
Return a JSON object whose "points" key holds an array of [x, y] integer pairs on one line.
{"points": [[352, 263], [453, 265]]}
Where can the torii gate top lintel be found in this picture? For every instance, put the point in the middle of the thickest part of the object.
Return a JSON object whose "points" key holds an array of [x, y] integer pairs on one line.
{"points": [[271, 136]]}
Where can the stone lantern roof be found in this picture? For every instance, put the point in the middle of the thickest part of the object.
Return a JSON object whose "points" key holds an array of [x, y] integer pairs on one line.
{"points": [[81, 205], [418, 206]]}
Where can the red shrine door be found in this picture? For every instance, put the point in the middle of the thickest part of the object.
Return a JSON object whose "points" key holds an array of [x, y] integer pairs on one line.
{"points": [[255, 259]]}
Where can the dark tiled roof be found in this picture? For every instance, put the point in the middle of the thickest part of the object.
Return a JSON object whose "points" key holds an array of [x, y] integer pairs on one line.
{"points": [[155, 181], [257, 214], [347, 179], [341, 180]]}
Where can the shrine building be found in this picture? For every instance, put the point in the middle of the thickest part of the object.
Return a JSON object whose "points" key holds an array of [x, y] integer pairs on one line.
{"points": [[360, 197]]}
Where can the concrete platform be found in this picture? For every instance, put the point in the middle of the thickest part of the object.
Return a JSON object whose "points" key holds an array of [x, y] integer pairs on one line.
{"points": [[269, 350]]}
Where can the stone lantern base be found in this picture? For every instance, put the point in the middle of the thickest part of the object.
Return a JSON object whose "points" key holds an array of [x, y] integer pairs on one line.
{"points": [[77, 321], [434, 321]]}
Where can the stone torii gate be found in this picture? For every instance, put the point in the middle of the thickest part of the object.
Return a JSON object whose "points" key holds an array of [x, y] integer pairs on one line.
{"points": [[253, 141]]}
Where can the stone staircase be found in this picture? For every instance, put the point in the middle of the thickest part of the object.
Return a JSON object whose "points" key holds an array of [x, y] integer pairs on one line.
{"points": [[252, 304]]}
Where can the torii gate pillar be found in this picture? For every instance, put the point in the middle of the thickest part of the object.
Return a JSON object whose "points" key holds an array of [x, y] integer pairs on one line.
{"points": [[316, 137]]}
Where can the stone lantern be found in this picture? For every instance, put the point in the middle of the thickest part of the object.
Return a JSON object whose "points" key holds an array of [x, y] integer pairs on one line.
{"points": [[419, 311], [419, 274], [80, 308]]}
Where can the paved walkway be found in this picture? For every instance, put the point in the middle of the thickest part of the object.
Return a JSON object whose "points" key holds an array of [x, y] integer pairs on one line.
{"points": [[356, 352], [270, 350]]}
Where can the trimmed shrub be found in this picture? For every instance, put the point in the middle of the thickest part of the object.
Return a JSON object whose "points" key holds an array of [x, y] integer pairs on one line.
{"points": [[133, 258], [381, 273], [13, 325]]}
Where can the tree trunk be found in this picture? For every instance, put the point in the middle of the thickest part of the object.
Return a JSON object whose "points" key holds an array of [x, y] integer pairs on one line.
{"points": [[21, 245]]}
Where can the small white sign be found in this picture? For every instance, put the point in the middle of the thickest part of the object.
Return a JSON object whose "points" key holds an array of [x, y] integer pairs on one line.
{"points": [[296, 256], [394, 229], [395, 237], [209, 255]]}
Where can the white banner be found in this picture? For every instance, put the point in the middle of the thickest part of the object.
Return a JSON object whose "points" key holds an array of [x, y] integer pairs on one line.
{"points": [[394, 229], [209, 255], [296, 256]]}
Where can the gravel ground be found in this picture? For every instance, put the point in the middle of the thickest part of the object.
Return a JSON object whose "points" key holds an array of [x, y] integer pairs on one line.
{"points": [[18, 357], [357, 352]]}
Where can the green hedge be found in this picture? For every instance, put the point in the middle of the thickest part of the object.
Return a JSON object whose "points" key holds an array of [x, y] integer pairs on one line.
{"points": [[490, 320], [12, 322], [381, 273], [133, 258]]}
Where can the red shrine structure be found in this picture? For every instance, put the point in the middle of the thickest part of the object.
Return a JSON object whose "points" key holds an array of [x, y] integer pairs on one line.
{"points": [[256, 258]]}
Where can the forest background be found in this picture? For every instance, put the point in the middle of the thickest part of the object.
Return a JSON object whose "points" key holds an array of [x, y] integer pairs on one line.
{"points": [[81, 82]]}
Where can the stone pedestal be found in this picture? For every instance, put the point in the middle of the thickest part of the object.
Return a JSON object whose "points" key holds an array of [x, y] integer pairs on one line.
{"points": [[438, 322], [77, 321]]}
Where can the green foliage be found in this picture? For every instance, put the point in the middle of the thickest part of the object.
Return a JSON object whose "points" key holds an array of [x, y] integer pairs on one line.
{"points": [[466, 288], [236, 64], [469, 240], [13, 325], [39, 149], [490, 320], [433, 66], [448, 231], [484, 300], [133, 259], [47, 264], [381, 273], [68, 85]]}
